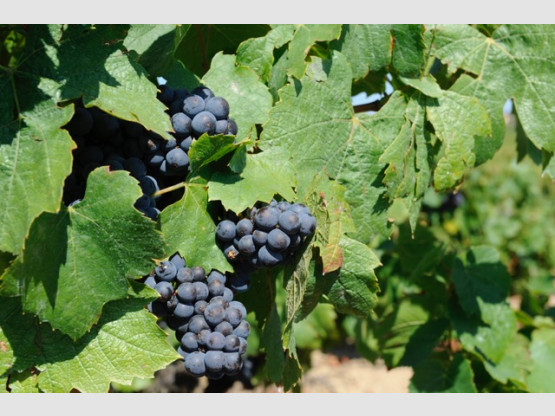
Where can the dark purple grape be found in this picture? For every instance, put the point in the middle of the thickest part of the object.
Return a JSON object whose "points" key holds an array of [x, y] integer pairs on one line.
{"points": [[165, 94], [81, 123], [289, 222], [214, 314], [203, 92], [189, 341], [199, 274], [266, 218], [185, 144], [178, 261], [165, 289], [203, 122], [232, 343], [214, 360], [268, 257], [166, 271], [181, 124], [218, 106], [215, 275], [192, 105], [242, 330], [308, 224], [186, 292], [224, 327], [202, 290], [243, 227], [197, 323], [259, 237], [231, 127], [226, 230], [194, 363], [278, 240], [148, 184], [184, 310], [246, 245], [232, 363], [185, 275], [216, 341]]}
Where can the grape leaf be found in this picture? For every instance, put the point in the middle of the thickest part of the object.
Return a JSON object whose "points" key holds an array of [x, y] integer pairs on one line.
{"points": [[438, 376], [36, 145], [25, 382], [542, 350], [239, 191], [77, 260], [271, 342], [105, 76], [408, 50], [515, 364], [258, 53], [366, 47], [188, 228], [515, 62], [249, 99], [332, 140], [202, 42], [208, 149], [155, 44], [126, 343]]}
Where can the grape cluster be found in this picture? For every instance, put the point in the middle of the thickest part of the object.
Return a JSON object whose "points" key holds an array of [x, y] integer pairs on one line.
{"points": [[105, 140], [209, 324], [267, 237]]}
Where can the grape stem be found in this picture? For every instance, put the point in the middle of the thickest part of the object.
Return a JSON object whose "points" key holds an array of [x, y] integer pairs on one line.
{"points": [[373, 106]]}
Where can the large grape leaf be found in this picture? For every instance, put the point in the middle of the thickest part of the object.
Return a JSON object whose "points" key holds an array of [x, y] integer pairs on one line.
{"points": [[77, 260], [249, 99], [263, 176], [124, 344], [517, 62], [329, 137], [188, 228], [34, 146], [155, 44], [105, 76], [542, 350]]}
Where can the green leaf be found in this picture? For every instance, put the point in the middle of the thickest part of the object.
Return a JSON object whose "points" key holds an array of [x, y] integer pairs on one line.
{"points": [[105, 76], [328, 137], [37, 145], [515, 62], [271, 342], [26, 382], [542, 350], [204, 41], [258, 53], [126, 343], [305, 36], [261, 179], [190, 213], [207, 149], [249, 99], [408, 50], [155, 44], [457, 119], [355, 291], [483, 278], [366, 47], [439, 376], [515, 364], [77, 260]]}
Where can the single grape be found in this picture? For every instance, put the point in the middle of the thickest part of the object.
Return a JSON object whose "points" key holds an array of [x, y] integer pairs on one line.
{"points": [[308, 224], [216, 341], [177, 160], [200, 306], [114, 164], [194, 363], [231, 127], [259, 237], [158, 308], [243, 329], [189, 341], [299, 208], [243, 227], [181, 124], [243, 345], [289, 222], [218, 106], [234, 316], [203, 337], [214, 360], [224, 327], [214, 314], [215, 275], [278, 240], [231, 253], [170, 144], [232, 343], [178, 261], [156, 159], [186, 143], [246, 245], [232, 363], [183, 353], [216, 288], [152, 213], [221, 127], [186, 292], [283, 206], [166, 270], [172, 302], [267, 218], [165, 289], [144, 202], [148, 184], [135, 166], [228, 294], [219, 300], [225, 230], [238, 305], [199, 274], [203, 122], [192, 105], [197, 323], [268, 257], [184, 310], [150, 282]]}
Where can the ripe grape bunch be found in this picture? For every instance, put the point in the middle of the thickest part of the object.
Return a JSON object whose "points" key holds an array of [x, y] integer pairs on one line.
{"points": [[208, 322], [267, 237], [105, 140]]}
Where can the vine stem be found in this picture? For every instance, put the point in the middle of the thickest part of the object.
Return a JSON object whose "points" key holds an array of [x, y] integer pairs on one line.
{"points": [[169, 189], [373, 106]]}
